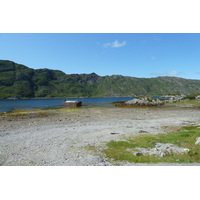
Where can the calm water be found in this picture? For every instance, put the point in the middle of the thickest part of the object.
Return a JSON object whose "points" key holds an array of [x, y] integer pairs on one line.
{"points": [[9, 105]]}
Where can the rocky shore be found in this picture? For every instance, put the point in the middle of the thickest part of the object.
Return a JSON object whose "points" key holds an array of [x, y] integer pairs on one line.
{"points": [[75, 137], [152, 101], [144, 101]]}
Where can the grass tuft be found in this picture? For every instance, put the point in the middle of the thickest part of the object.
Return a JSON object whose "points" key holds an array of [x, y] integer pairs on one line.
{"points": [[191, 103]]}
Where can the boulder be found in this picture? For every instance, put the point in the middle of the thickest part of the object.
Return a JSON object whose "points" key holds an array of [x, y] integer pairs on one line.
{"points": [[145, 101], [173, 99]]}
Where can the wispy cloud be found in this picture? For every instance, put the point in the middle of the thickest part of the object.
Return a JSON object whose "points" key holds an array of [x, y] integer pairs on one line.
{"points": [[153, 57], [115, 44], [171, 73]]}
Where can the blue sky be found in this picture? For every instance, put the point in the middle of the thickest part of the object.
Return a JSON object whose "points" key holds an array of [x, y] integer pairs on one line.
{"points": [[129, 54]]}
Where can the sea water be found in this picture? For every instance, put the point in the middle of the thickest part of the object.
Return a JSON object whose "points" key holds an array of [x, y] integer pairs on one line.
{"points": [[28, 104]]}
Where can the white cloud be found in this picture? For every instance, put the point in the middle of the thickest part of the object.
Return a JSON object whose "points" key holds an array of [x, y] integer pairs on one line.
{"points": [[171, 73], [115, 44]]}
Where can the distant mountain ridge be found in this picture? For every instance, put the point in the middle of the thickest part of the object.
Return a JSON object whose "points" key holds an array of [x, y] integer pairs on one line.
{"points": [[20, 81]]}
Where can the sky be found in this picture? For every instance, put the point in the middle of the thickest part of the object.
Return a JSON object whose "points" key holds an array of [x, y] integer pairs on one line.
{"points": [[129, 54]]}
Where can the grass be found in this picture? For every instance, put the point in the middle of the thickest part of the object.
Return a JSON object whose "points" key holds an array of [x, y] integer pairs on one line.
{"points": [[16, 113], [191, 103], [37, 112], [185, 137], [67, 110]]}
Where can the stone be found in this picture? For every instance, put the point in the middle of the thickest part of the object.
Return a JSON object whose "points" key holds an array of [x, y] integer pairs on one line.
{"points": [[198, 97], [197, 141], [160, 149], [173, 99], [186, 150], [158, 145], [164, 153], [138, 153], [114, 133], [142, 131]]}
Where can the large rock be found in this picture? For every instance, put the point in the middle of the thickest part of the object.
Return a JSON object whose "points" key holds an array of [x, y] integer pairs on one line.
{"points": [[145, 101], [173, 99]]}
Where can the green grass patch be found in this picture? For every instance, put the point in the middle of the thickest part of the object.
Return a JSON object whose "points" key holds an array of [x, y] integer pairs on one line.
{"points": [[186, 103], [38, 112], [26, 113], [67, 110], [190, 128], [185, 137]]}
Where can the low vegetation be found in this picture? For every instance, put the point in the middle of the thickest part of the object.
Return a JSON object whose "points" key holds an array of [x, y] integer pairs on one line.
{"points": [[37, 113], [185, 137], [191, 96], [186, 103]]}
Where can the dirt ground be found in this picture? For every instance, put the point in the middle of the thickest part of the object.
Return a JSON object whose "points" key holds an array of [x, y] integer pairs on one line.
{"points": [[75, 137]]}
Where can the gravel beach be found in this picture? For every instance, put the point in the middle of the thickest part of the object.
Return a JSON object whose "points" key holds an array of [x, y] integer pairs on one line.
{"points": [[75, 137]]}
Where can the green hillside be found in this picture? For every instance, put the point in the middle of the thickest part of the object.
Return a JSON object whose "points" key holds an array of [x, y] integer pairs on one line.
{"points": [[19, 81]]}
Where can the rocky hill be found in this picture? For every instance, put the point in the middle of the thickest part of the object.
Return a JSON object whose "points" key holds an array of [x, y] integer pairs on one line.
{"points": [[20, 81]]}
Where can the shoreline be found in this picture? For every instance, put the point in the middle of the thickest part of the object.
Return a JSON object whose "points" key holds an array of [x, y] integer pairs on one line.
{"points": [[76, 136]]}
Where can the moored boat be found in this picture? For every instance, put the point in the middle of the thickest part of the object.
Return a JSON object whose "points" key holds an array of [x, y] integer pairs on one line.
{"points": [[72, 103]]}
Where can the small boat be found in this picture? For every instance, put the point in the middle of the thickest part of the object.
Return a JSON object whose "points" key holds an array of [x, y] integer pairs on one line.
{"points": [[73, 103]]}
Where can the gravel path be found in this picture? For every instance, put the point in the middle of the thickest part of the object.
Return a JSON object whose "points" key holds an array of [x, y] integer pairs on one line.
{"points": [[76, 138]]}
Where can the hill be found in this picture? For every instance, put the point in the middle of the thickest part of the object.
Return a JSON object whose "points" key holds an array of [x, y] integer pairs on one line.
{"points": [[20, 81]]}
